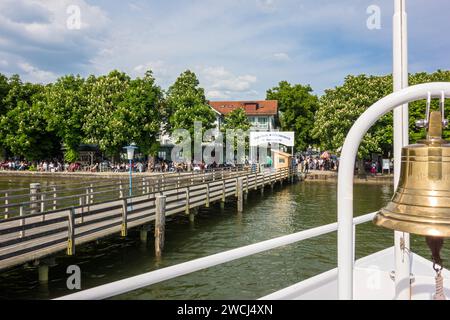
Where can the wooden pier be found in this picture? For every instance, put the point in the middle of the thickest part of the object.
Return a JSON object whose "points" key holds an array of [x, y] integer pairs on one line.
{"points": [[30, 234]]}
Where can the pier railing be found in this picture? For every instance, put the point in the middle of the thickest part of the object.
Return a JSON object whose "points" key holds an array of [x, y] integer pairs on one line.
{"points": [[40, 198], [31, 236]]}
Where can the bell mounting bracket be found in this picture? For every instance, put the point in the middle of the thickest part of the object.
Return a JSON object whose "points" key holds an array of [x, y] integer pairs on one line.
{"points": [[424, 123]]}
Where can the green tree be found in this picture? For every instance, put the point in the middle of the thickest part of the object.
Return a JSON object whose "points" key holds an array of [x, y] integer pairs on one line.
{"points": [[66, 105], [4, 90], [138, 115], [340, 107], [186, 103], [105, 93], [297, 107], [23, 131], [236, 120]]}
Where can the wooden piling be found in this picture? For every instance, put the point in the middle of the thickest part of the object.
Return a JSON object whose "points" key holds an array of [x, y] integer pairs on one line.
{"points": [[71, 232], [160, 224], [124, 228]]}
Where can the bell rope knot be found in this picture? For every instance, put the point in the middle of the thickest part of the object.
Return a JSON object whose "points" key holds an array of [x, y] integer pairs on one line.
{"points": [[439, 295]]}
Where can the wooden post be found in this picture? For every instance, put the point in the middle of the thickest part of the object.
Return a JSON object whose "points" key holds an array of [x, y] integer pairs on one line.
{"points": [[143, 185], [22, 222], [87, 195], [160, 224], [246, 188], [82, 208], [35, 189], [143, 234], [192, 214], [92, 193], [240, 196], [223, 190], [207, 195], [272, 180], [43, 273], [236, 191], [43, 206], [71, 232], [120, 191], [123, 231], [187, 200], [54, 198], [6, 203], [256, 181], [263, 183]]}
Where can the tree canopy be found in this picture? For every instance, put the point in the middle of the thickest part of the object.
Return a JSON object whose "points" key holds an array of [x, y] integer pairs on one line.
{"points": [[340, 107], [297, 107], [186, 103]]}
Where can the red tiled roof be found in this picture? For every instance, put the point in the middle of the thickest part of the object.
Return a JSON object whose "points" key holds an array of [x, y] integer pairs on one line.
{"points": [[252, 108]]}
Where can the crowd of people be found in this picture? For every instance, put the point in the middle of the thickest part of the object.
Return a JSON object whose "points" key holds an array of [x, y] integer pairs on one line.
{"points": [[308, 163], [153, 165]]}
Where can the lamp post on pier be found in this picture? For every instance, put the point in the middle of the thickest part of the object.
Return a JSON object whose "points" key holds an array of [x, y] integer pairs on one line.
{"points": [[130, 155]]}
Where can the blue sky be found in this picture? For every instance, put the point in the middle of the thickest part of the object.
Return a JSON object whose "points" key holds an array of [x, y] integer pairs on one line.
{"points": [[238, 48]]}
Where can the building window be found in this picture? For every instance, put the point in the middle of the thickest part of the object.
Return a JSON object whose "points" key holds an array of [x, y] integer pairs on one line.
{"points": [[262, 120], [162, 155]]}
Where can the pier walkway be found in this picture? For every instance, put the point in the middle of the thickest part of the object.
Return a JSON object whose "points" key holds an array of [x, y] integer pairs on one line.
{"points": [[31, 231]]}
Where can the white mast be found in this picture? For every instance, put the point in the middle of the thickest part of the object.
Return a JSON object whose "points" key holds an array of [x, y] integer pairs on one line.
{"points": [[401, 138]]}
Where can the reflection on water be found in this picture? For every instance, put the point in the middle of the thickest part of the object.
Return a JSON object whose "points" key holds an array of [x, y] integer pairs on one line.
{"points": [[286, 210]]}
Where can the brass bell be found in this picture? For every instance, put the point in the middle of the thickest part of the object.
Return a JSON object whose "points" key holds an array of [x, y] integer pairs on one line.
{"points": [[421, 203]]}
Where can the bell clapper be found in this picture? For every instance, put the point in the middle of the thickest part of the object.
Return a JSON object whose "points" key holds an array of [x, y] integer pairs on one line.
{"points": [[435, 244]]}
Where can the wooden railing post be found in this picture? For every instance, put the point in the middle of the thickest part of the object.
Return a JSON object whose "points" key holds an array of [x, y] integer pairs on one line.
{"points": [[240, 196], [54, 198], [43, 206], [6, 203], [35, 189], [22, 222], [120, 190], [92, 193], [160, 224], [82, 208], [207, 195], [71, 232], [124, 228], [187, 200], [223, 190]]}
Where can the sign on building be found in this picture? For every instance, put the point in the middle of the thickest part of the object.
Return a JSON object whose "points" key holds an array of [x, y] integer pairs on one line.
{"points": [[264, 138]]}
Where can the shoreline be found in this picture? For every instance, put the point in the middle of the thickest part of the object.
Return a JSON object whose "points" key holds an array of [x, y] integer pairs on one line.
{"points": [[312, 176], [332, 176]]}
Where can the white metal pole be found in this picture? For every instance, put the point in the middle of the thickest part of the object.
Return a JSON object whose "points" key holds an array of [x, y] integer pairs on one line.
{"points": [[346, 171], [401, 138]]}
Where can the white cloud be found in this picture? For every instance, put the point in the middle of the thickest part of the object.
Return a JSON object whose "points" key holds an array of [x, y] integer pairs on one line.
{"points": [[160, 69], [216, 94], [280, 56], [34, 74], [38, 32], [220, 83]]}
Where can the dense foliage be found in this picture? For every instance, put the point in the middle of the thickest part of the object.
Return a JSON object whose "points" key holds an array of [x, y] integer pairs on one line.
{"points": [[297, 107], [340, 107], [40, 121]]}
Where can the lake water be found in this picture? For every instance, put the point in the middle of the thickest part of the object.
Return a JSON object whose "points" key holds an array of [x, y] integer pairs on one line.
{"points": [[288, 209]]}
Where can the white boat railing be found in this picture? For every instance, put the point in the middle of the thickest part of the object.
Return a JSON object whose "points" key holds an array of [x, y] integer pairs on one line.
{"points": [[146, 279]]}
